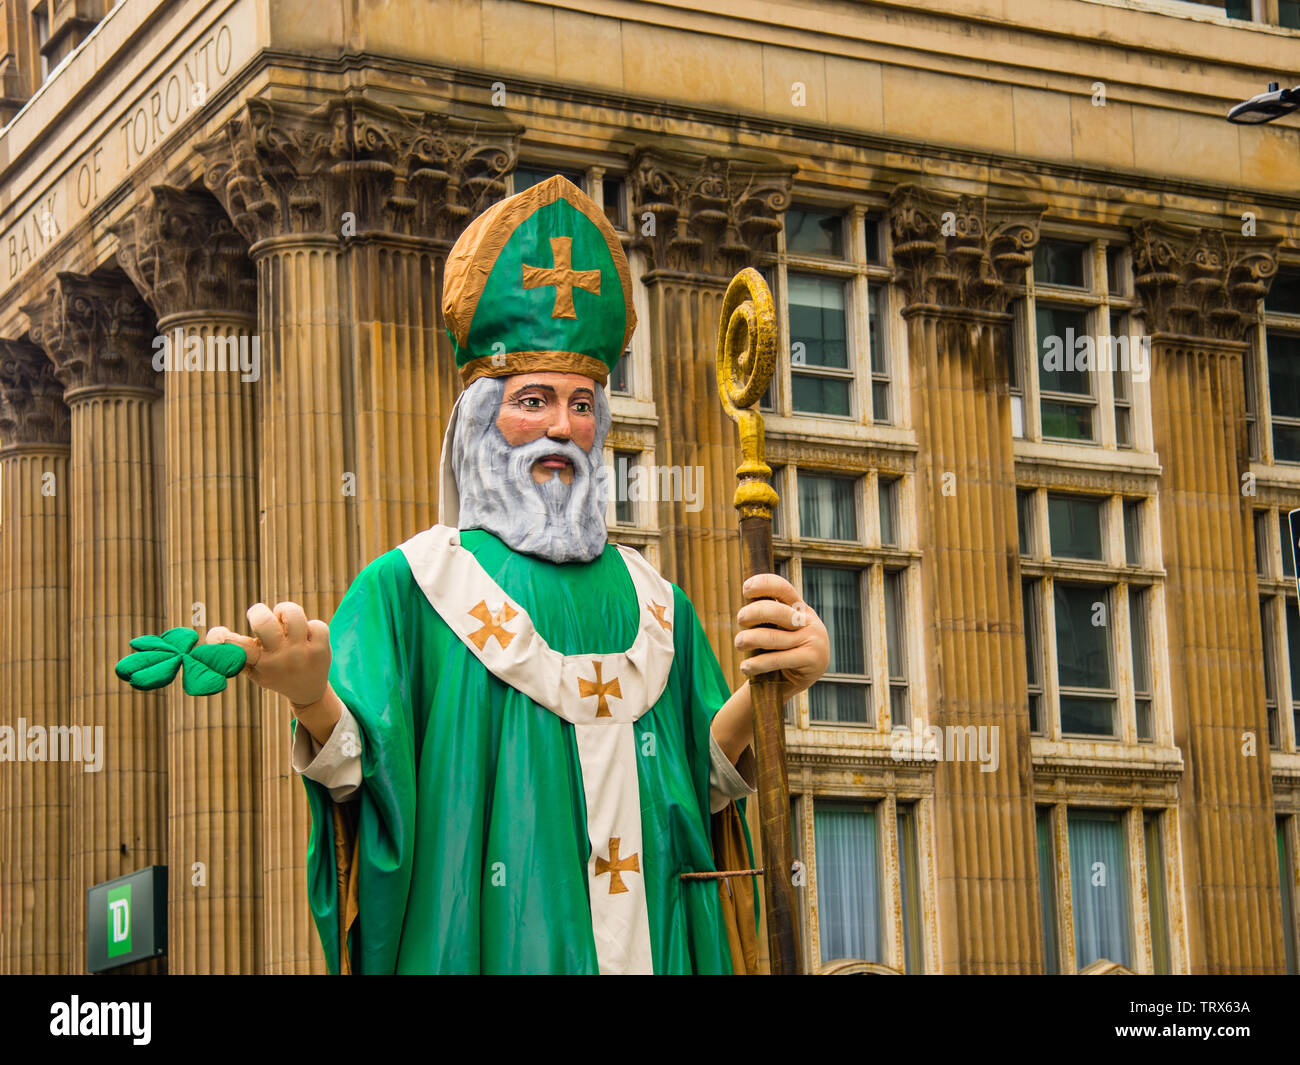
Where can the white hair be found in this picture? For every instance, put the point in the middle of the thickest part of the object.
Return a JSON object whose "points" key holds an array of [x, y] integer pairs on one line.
{"points": [[553, 520]]}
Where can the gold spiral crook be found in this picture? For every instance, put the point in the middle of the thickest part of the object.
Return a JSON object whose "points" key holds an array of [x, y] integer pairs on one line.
{"points": [[745, 361]]}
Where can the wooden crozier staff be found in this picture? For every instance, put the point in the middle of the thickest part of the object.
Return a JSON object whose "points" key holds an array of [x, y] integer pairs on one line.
{"points": [[746, 359]]}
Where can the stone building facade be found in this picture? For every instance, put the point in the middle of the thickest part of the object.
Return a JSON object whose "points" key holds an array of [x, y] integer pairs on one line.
{"points": [[1061, 731]]}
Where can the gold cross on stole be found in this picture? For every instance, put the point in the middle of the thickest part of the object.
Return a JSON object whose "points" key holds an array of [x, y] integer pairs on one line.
{"points": [[563, 277], [492, 624], [615, 865], [588, 688], [657, 609]]}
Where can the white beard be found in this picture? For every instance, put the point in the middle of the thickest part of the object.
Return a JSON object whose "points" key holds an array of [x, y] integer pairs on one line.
{"points": [[553, 520]]}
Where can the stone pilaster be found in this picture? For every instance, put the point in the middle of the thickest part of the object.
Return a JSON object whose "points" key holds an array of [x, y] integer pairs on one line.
{"points": [[956, 291], [349, 208], [711, 218], [34, 659], [192, 267], [97, 333], [1199, 289]]}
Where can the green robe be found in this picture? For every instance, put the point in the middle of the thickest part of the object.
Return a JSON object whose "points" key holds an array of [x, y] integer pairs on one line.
{"points": [[472, 825]]}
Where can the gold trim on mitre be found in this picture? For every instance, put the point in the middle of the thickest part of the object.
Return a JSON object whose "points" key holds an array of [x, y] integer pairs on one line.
{"points": [[534, 361], [470, 262]]}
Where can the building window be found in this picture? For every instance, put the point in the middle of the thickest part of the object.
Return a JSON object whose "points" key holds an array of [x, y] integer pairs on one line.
{"points": [[620, 378], [1075, 320], [1088, 605], [827, 507], [1272, 374], [1279, 624], [624, 505], [833, 298], [613, 198], [1099, 887], [842, 539], [530, 174], [909, 885], [1286, 868], [843, 695], [1157, 904], [1047, 889], [848, 881]]}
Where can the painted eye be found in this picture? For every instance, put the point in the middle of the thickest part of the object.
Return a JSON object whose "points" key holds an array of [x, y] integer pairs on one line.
{"points": [[582, 407]]}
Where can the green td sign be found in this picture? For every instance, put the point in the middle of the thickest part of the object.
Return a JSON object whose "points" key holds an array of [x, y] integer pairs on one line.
{"points": [[126, 919]]}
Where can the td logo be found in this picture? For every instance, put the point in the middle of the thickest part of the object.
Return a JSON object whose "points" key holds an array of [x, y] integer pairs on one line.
{"points": [[119, 920]]}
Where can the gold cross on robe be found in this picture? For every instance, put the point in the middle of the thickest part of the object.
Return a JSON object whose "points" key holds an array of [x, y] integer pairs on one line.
{"points": [[563, 277], [492, 624], [615, 866], [657, 609], [588, 688]]}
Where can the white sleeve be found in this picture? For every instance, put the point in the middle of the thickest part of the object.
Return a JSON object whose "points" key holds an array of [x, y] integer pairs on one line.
{"points": [[728, 782], [336, 763]]}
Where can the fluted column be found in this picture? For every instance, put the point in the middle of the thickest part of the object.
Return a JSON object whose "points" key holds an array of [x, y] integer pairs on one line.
{"points": [[34, 658], [956, 294], [97, 333], [711, 218], [1199, 289], [413, 182], [356, 382], [189, 263]]}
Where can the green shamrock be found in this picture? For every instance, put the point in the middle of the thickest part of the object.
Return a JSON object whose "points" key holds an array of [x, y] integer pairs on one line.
{"points": [[157, 658]]}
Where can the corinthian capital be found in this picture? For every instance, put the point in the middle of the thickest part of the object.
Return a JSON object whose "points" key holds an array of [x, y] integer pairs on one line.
{"points": [[96, 331], [700, 214], [959, 251], [1200, 282], [32, 410], [183, 254], [351, 166]]}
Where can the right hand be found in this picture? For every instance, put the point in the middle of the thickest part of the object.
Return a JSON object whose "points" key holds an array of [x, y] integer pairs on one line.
{"points": [[286, 653]]}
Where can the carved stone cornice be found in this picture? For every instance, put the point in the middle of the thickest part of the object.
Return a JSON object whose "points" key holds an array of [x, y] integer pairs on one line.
{"points": [[96, 330], [350, 166], [1200, 282], [183, 254], [32, 410], [961, 252], [710, 215]]}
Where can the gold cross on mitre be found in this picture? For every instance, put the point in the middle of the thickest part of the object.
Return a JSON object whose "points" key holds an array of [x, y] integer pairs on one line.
{"points": [[563, 277], [493, 623], [588, 688], [615, 866]]}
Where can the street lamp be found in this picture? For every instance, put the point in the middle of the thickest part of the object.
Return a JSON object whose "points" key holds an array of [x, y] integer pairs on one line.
{"points": [[1266, 106]]}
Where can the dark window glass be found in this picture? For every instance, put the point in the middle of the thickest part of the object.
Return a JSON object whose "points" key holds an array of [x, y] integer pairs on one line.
{"points": [[1083, 658], [826, 507], [888, 491], [873, 239], [528, 176], [1284, 293], [1059, 329], [1137, 620], [1025, 522], [909, 885], [1047, 887], [1116, 281], [836, 595], [1286, 873], [620, 378], [1237, 9], [1059, 262], [1033, 656], [624, 461], [1074, 527], [1288, 15], [818, 339], [1261, 543], [1156, 894], [1133, 532], [1270, 674], [1284, 393], [1288, 545], [814, 233], [1293, 647], [612, 193]]}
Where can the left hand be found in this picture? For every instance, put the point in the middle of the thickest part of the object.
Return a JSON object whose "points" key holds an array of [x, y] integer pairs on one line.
{"points": [[798, 648]]}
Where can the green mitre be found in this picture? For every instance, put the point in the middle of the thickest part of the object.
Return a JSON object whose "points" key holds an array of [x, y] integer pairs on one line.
{"points": [[539, 281]]}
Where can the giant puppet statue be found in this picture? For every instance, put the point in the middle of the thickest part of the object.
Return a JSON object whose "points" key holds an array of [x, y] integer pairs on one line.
{"points": [[514, 735]]}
